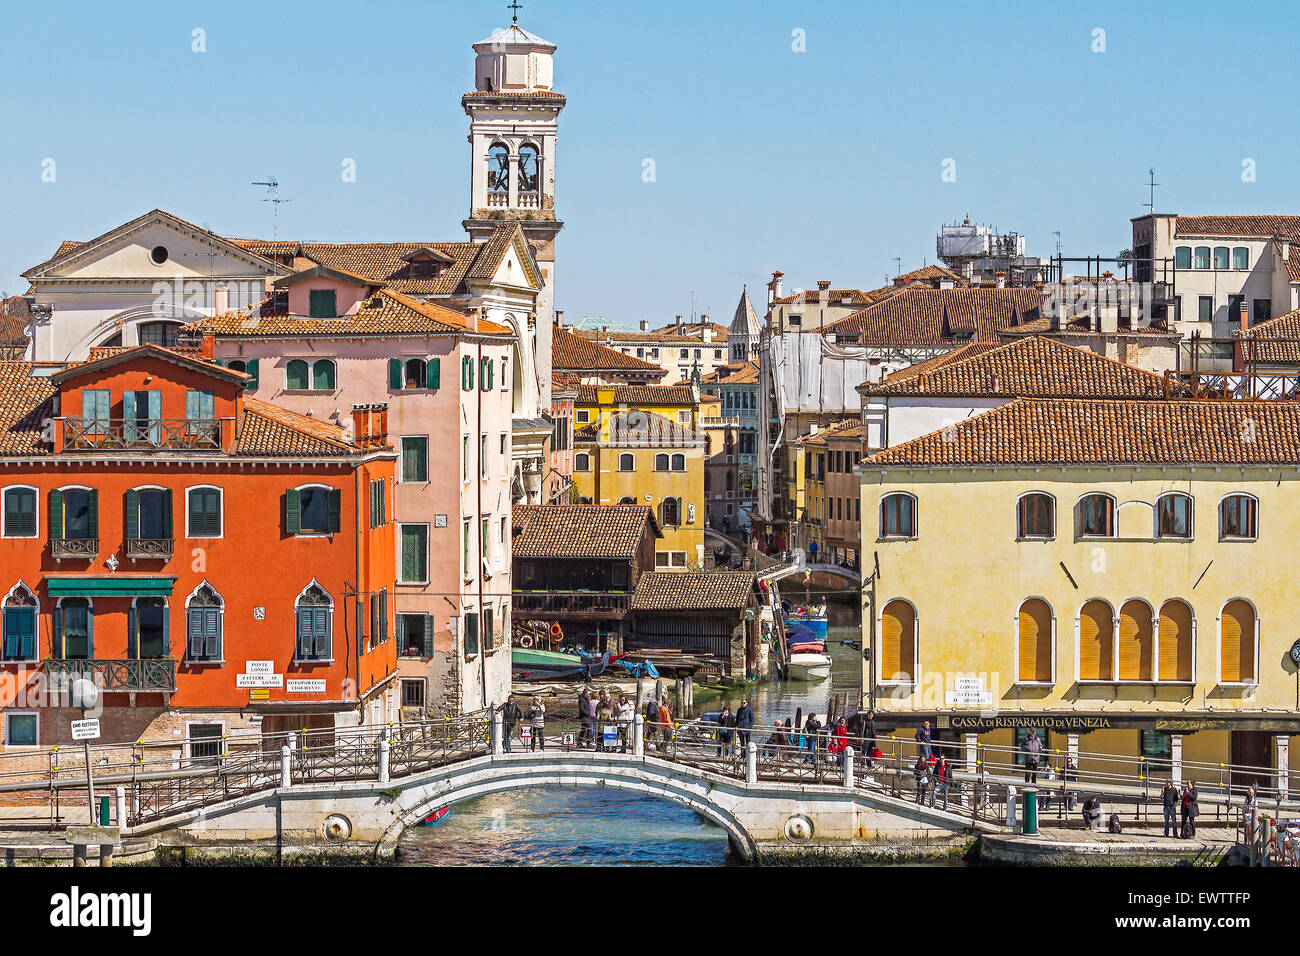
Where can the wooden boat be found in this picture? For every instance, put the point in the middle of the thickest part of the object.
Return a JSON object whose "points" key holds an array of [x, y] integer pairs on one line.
{"points": [[810, 667], [811, 617], [808, 647], [436, 817], [528, 663]]}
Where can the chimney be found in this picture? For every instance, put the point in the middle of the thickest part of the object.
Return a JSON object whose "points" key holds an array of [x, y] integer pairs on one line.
{"points": [[645, 325], [1107, 307], [1001, 280], [1239, 359], [209, 346], [221, 300], [774, 287], [379, 430], [824, 292], [559, 316], [361, 425], [679, 325]]}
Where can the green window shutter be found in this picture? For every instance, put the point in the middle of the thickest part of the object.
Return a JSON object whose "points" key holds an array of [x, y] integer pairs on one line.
{"points": [[132, 515], [295, 375], [167, 513], [192, 403], [467, 374], [321, 304], [57, 649], [433, 373], [132, 632], [485, 374], [395, 374], [333, 510], [292, 511], [251, 368], [322, 375], [55, 514], [128, 406], [92, 513], [428, 635]]}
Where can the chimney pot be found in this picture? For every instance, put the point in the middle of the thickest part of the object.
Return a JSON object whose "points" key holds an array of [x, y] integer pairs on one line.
{"points": [[361, 425], [209, 346]]}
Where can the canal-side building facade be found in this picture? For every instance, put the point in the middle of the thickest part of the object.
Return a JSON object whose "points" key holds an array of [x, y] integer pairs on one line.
{"points": [[1112, 572], [170, 537]]}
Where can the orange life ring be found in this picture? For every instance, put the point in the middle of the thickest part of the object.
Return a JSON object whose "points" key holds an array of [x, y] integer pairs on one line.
{"points": [[557, 633]]}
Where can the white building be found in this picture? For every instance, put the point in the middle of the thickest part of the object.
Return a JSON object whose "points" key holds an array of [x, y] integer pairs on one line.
{"points": [[742, 337]]}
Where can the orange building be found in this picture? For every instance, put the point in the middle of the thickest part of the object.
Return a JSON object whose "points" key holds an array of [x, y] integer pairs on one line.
{"points": [[213, 562]]}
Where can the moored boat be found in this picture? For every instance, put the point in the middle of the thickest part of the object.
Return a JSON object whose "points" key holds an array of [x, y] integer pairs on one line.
{"points": [[810, 667]]}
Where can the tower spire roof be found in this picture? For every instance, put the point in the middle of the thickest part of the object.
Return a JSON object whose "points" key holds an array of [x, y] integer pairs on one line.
{"points": [[745, 321]]}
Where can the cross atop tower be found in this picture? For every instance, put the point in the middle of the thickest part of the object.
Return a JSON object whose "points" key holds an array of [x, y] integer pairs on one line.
{"points": [[514, 6]]}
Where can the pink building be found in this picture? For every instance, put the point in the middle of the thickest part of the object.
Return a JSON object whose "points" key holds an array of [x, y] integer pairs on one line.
{"points": [[447, 378]]}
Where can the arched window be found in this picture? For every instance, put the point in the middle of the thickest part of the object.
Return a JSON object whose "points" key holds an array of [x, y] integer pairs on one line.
{"points": [[1174, 646], [1174, 516], [1183, 257], [415, 373], [1237, 628], [582, 461], [1136, 645], [670, 512], [1237, 518], [898, 643], [322, 375], [1221, 257], [498, 168], [1202, 257], [627, 500], [1036, 516], [203, 624], [1240, 257], [679, 462], [898, 516], [625, 461], [1096, 516], [1034, 642], [237, 365], [1096, 642], [158, 333], [147, 629], [528, 168], [19, 512], [314, 611], [18, 625], [295, 375], [661, 462], [74, 629]]}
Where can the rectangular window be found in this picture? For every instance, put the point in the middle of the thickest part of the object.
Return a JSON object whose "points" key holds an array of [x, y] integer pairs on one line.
{"points": [[322, 304], [582, 416], [20, 513], [1235, 303], [1261, 311], [19, 639], [203, 633], [21, 730], [1205, 308], [148, 514], [74, 629], [142, 411], [465, 563], [415, 553], [313, 510], [414, 635], [1240, 258], [413, 693], [489, 636], [1183, 257], [1221, 257], [149, 616], [205, 744], [1202, 257], [204, 513], [79, 517], [471, 628], [482, 456], [199, 405], [415, 458]]}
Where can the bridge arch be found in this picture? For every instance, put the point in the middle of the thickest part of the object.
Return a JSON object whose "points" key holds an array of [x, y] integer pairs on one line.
{"points": [[482, 777]]}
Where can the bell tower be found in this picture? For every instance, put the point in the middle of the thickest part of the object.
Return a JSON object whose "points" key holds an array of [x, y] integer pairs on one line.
{"points": [[513, 114]]}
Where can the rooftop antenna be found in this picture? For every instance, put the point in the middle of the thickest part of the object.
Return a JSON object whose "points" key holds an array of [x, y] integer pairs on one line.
{"points": [[514, 8], [273, 187], [1057, 234], [692, 308], [898, 265], [1151, 206]]}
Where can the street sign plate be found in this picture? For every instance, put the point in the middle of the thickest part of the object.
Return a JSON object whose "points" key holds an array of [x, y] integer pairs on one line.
{"points": [[87, 729]]}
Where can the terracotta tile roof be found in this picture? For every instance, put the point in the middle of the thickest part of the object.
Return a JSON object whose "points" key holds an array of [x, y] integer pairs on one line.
{"points": [[638, 395], [742, 373], [581, 531], [692, 335], [1030, 367], [915, 316], [638, 429], [693, 591], [572, 353], [837, 297], [271, 431], [14, 316], [270, 248], [844, 428], [1031, 431], [1229, 226], [26, 402], [384, 313], [1264, 340], [107, 356], [930, 275]]}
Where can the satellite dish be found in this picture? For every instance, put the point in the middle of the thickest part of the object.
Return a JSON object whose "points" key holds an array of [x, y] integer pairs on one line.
{"points": [[84, 693]]}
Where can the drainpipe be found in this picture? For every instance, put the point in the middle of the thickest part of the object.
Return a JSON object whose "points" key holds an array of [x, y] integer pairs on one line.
{"points": [[478, 525], [356, 565]]}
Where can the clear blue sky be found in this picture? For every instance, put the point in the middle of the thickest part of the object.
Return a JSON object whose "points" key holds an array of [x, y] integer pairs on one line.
{"points": [[824, 164]]}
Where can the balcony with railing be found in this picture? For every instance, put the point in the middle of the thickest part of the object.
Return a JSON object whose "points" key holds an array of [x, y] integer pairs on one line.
{"points": [[106, 434], [150, 548], [571, 603], [74, 548], [529, 200], [150, 675]]}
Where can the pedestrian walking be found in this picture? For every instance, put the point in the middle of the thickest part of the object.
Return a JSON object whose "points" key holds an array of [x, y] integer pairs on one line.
{"points": [[511, 714], [624, 714], [744, 723], [839, 742], [1169, 800], [942, 780], [1190, 809], [869, 737], [664, 718], [537, 720], [923, 740], [921, 771], [726, 728], [1032, 748]]}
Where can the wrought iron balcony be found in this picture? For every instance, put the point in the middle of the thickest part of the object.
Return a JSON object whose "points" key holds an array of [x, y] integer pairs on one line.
{"points": [[147, 674], [74, 547], [150, 548], [102, 434], [555, 603]]}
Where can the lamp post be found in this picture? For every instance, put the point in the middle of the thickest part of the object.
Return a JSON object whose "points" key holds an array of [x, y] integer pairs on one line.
{"points": [[85, 695]]}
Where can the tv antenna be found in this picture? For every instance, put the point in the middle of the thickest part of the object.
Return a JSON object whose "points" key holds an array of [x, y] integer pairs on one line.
{"points": [[898, 265], [273, 187], [1151, 206]]}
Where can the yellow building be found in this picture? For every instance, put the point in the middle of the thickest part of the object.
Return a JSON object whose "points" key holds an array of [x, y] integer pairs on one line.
{"points": [[1116, 573], [641, 445]]}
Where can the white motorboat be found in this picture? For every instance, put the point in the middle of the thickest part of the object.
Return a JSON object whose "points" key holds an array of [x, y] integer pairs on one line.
{"points": [[810, 666]]}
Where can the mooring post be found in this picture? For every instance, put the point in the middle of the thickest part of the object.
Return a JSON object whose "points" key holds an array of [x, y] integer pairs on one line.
{"points": [[286, 765], [120, 803], [848, 767], [751, 763], [1011, 806], [498, 737], [385, 750], [638, 736]]}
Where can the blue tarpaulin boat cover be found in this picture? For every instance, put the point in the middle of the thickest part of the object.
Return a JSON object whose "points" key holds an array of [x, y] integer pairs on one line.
{"points": [[641, 668]]}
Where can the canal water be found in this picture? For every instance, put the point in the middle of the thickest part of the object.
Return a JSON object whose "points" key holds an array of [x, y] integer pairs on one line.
{"points": [[565, 827]]}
